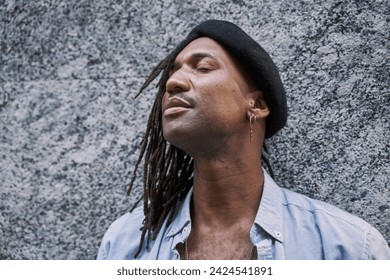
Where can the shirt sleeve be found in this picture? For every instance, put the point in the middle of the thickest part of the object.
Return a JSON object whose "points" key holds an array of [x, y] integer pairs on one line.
{"points": [[121, 240], [102, 254], [378, 247]]}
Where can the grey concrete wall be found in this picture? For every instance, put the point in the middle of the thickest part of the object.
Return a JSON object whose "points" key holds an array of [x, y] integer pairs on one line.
{"points": [[70, 129]]}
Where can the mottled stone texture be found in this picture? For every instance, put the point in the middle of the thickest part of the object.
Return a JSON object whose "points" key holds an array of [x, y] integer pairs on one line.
{"points": [[70, 129]]}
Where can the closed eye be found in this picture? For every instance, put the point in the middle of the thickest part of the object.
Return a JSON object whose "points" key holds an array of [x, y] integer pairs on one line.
{"points": [[201, 62], [204, 68], [205, 64]]}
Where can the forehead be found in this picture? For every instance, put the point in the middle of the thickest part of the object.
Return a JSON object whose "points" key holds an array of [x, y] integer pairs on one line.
{"points": [[204, 45]]}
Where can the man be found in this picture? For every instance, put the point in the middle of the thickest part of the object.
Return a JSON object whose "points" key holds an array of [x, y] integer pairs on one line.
{"points": [[206, 195]]}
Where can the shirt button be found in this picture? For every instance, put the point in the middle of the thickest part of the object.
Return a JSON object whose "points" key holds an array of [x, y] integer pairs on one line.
{"points": [[278, 234], [185, 230]]}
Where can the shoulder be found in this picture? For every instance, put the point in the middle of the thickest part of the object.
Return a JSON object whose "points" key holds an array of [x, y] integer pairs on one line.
{"points": [[127, 222], [312, 207], [341, 234], [121, 240]]}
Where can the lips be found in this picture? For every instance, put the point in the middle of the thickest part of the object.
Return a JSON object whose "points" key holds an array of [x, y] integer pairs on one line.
{"points": [[176, 105]]}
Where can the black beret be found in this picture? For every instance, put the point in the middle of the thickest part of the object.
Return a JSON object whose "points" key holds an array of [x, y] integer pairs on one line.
{"points": [[254, 59]]}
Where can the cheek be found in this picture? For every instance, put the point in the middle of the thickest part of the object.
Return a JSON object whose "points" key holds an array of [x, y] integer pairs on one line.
{"points": [[227, 98], [220, 96]]}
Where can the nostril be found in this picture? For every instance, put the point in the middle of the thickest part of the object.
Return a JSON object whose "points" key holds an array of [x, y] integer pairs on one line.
{"points": [[174, 91]]}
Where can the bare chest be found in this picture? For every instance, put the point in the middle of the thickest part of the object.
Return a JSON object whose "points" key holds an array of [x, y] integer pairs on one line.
{"points": [[218, 247]]}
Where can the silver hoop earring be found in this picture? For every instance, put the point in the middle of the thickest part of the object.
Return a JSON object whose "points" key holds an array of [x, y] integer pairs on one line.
{"points": [[252, 121]]}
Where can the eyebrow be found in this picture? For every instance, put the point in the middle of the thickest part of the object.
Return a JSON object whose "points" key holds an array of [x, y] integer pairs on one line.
{"points": [[201, 55], [198, 56]]}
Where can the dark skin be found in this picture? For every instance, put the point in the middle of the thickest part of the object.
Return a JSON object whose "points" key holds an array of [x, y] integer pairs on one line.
{"points": [[207, 109]]}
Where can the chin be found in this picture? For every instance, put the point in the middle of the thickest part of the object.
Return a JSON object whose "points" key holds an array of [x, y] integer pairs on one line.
{"points": [[181, 140], [175, 132], [174, 139]]}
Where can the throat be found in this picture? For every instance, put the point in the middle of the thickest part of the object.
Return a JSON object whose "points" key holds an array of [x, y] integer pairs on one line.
{"points": [[222, 213], [226, 194]]}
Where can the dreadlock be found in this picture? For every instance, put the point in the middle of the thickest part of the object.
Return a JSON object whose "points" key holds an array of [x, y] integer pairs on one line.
{"points": [[168, 171]]}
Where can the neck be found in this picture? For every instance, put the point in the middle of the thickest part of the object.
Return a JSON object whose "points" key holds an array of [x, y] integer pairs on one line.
{"points": [[227, 191]]}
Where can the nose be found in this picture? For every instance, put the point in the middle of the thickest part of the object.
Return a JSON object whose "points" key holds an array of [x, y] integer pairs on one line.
{"points": [[177, 82]]}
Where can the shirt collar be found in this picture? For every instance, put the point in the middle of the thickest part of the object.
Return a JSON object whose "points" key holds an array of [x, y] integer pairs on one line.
{"points": [[183, 216], [269, 215]]}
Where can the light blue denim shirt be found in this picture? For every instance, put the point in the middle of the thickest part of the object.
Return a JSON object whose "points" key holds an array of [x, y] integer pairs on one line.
{"points": [[287, 226]]}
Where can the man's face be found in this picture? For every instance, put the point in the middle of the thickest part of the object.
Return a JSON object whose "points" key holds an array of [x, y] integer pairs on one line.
{"points": [[206, 99]]}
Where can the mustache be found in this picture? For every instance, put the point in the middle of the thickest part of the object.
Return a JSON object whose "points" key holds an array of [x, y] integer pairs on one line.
{"points": [[184, 97]]}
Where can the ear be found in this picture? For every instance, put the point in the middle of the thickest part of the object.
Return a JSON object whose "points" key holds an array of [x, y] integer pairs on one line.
{"points": [[258, 106]]}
